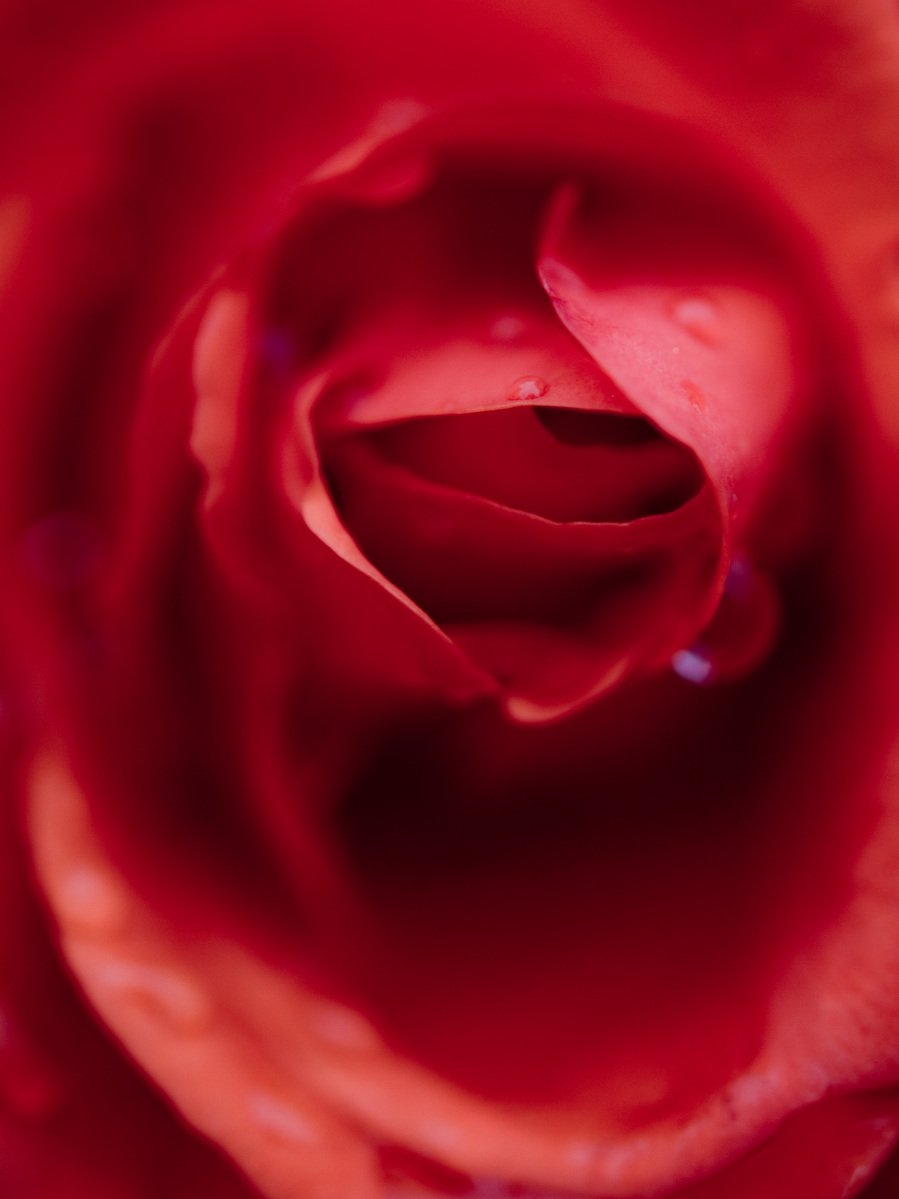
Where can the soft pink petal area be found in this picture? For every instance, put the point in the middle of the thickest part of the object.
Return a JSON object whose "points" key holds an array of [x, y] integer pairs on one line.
{"points": [[809, 95], [828, 1151], [149, 985], [255, 1059], [710, 360], [399, 370], [76, 1120]]}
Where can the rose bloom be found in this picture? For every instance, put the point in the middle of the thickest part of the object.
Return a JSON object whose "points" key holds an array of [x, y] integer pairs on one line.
{"points": [[448, 502]]}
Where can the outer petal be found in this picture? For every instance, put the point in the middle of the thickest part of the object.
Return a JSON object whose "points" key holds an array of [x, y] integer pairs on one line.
{"points": [[806, 154]]}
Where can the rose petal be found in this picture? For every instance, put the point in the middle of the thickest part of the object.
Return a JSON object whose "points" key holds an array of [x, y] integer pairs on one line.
{"points": [[714, 366]]}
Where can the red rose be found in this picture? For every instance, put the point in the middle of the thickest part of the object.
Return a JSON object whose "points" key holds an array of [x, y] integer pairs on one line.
{"points": [[449, 504]]}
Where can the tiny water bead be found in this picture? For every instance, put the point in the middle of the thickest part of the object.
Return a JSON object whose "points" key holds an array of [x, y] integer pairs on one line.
{"points": [[742, 632], [528, 388], [700, 316], [693, 665]]}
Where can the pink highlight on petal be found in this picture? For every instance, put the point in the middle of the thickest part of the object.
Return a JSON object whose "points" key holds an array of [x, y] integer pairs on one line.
{"points": [[219, 362], [163, 990], [90, 900], [344, 1028], [507, 328], [279, 1119]]}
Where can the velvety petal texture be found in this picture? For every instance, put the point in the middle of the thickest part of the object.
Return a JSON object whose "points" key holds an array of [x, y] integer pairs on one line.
{"points": [[448, 507]]}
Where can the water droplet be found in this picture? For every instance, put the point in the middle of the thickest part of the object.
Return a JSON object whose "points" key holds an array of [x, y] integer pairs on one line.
{"points": [[528, 388], [741, 633], [280, 1120], [167, 993], [507, 328], [63, 549], [693, 665], [699, 316], [91, 900]]}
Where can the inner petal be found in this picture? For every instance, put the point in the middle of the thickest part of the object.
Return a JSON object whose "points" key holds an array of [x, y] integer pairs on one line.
{"points": [[603, 467], [557, 612]]}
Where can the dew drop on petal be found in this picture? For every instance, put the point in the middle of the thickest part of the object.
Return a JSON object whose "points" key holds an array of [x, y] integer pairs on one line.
{"points": [[742, 632], [528, 388], [699, 316], [693, 665]]}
